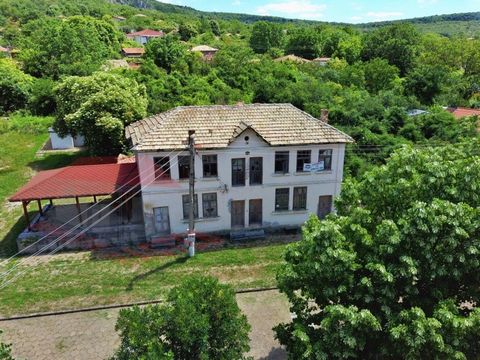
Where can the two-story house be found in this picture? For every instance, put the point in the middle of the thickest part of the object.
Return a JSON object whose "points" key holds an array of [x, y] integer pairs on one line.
{"points": [[142, 37], [256, 166]]}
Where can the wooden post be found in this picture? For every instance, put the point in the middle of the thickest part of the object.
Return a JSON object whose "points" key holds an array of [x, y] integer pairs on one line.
{"points": [[79, 209], [51, 202], [40, 210], [94, 198], [25, 213]]}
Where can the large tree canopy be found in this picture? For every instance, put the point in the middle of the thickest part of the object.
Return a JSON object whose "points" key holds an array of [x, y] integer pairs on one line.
{"points": [[99, 107], [394, 274], [15, 86], [77, 45]]}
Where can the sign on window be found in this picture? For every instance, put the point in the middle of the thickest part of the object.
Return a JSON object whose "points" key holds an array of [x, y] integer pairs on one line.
{"points": [[314, 167]]}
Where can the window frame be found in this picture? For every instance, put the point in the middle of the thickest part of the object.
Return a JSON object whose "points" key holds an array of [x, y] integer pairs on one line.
{"points": [[258, 174], [181, 159], [235, 175], [285, 195], [209, 201], [186, 211], [300, 200], [328, 155], [161, 164], [302, 158], [286, 165], [209, 165]]}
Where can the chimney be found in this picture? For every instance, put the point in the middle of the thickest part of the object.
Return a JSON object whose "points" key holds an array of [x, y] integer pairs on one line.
{"points": [[324, 115]]}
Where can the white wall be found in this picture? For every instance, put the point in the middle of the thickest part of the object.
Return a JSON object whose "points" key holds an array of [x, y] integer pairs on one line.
{"points": [[60, 142], [169, 193]]}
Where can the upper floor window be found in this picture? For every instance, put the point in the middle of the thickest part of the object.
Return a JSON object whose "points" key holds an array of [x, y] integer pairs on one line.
{"points": [[209, 201], [161, 167], [184, 167], [303, 157], [281, 199], [186, 206], [210, 167], [300, 198], [281, 162], [256, 171], [238, 172], [325, 156]]}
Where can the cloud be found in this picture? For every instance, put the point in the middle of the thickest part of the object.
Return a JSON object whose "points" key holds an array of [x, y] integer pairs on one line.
{"points": [[301, 9], [384, 15], [356, 19]]}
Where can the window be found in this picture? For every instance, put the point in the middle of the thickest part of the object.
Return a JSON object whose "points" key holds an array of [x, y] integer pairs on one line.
{"points": [[325, 156], [281, 199], [300, 198], [281, 162], [209, 202], [256, 171], [210, 168], [162, 167], [186, 206], [184, 167], [303, 157], [238, 172]]}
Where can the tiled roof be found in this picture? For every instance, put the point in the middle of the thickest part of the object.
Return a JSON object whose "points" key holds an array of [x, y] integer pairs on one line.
{"points": [[3, 49], [203, 48], [461, 112], [79, 180], [146, 32], [293, 58], [218, 125], [133, 51], [321, 59]]}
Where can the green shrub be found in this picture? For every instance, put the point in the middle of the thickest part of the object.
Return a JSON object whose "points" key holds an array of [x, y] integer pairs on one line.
{"points": [[28, 124]]}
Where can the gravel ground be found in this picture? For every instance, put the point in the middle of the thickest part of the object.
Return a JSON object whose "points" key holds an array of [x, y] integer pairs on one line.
{"points": [[91, 335]]}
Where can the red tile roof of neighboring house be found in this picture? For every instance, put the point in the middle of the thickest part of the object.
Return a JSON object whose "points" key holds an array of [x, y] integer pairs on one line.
{"points": [[2, 49], [461, 112], [147, 33], [133, 66], [133, 51], [80, 180]]}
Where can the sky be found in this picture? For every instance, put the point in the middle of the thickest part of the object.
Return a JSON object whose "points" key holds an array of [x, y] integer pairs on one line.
{"points": [[350, 11]]}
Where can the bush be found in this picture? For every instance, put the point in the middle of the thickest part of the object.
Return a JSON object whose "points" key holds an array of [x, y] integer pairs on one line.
{"points": [[25, 124], [5, 351], [201, 320]]}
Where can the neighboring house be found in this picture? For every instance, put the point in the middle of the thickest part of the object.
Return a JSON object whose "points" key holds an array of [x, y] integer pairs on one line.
{"points": [[416, 112], [118, 18], [322, 61], [133, 52], [207, 52], [67, 142], [5, 51], [142, 37], [257, 166], [115, 64], [461, 112], [292, 58]]}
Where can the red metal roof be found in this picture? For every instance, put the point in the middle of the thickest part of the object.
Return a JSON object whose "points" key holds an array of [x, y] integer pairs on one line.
{"points": [[461, 112], [146, 32], [79, 180]]}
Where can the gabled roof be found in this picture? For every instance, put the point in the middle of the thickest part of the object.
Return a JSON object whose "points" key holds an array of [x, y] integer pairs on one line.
{"points": [[461, 112], [147, 33], [293, 58], [133, 51], [216, 126], [79, 180], [319, 59], [203, 48]]}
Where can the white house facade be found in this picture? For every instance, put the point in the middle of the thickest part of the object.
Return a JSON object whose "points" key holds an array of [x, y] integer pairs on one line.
{"points": [[252, 167]]}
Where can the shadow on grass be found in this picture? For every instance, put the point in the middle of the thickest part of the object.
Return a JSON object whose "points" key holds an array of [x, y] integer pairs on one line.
{"points": [[8, 245], [56, 160], [140, 277]]}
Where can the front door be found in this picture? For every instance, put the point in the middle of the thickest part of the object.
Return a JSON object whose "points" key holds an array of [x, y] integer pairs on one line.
{"points": [[162, 220], [238, 213], [255, 212], [324, 206]]}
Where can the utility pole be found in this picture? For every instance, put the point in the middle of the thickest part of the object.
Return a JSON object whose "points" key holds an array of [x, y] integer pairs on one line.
{"points": [[191, 215]]}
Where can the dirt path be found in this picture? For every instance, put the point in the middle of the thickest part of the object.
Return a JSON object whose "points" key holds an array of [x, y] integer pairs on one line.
{"points": [[91, 335]]}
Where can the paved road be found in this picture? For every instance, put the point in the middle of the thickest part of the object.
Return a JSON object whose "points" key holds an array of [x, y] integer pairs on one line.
{"points": [[91, 335]]}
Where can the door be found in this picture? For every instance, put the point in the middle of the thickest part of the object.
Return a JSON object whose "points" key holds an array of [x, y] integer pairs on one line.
{"points": [[162, 220], [238, 213], [324, 206], [255, 212]]}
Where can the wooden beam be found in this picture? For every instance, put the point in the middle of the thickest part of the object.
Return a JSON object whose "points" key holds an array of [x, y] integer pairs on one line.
{"points": [[51, 202], [79, 209], [40, 210], [94, 198], [25, 213]]}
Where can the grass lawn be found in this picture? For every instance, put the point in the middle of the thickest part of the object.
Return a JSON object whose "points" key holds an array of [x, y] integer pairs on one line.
{"points": [[77, 280], [17, 165]]}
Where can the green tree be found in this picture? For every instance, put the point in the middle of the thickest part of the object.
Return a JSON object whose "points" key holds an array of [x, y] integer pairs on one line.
{"points": [[15, 86], [77, 45], [389, 275], [426, 82], [99, 107], [379, 75], [42, 98], [187, 31], [305, 42], [215, 27], [200, 320], [398, 44], [265, 36], [165, 52]]}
